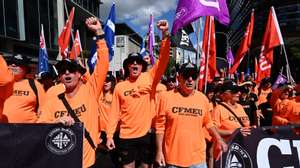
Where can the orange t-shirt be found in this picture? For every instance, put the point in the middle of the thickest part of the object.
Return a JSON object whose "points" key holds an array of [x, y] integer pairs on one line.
{"points": [[21, 106], [262, 98], [181, 120], [6, 83], [84, 103], [281, 111], [105, 101], [133, 104], [225, 120], [293, 111], [208, 137]]}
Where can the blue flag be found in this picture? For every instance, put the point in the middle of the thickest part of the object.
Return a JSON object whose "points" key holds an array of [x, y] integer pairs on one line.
{"points": [[43, 55], [92, 58], [109, 32]]}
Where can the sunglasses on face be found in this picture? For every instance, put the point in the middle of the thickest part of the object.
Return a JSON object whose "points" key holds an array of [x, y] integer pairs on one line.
{"points": [[187, 75], [70, 69], [137, 62], [172, 80]]}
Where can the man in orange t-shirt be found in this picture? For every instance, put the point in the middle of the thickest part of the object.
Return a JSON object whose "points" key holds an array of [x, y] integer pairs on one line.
{"points": [[179, 125], [6, 83], [133, 105], [283, 108], [264, 89], [224, 120], [23, 106], [82, 96]]}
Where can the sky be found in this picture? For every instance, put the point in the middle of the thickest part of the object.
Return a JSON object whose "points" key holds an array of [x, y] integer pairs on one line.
{"points": [[136, 13]]}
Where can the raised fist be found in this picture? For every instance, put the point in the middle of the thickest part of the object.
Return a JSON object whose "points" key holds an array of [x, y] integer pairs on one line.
{"points": [[162, 25], [94, 25]]}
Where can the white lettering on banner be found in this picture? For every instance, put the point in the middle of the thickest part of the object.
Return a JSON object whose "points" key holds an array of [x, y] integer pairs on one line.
{"points": [[296, 144], [210, 3], [264, 65], [265, 144], [184, 38]]}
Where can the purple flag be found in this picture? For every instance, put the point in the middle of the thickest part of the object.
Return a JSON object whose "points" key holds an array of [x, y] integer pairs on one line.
{"points": [[189, 10], [151, 39], [281, 79], [229, 56]]}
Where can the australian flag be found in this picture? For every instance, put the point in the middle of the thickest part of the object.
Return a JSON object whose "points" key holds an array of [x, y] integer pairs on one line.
{"points": [[43, 55], [109, 32]]}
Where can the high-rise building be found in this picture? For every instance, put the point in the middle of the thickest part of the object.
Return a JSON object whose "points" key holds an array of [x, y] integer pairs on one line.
{"points": [[20, 24]]}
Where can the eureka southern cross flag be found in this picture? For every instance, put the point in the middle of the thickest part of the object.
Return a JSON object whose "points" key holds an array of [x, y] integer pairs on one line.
{"points": [[109, 31], [189, 10]]}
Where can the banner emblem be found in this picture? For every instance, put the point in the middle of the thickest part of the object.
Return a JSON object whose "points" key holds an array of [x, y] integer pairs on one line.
{"points": [[60, 141], [238, 157]]}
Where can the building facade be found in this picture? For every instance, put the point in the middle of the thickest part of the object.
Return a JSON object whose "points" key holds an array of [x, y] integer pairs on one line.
{"points": [[20, 24], [126, 41]]}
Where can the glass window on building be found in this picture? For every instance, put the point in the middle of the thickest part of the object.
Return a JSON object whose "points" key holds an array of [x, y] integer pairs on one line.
{"points": [[45, 19], [31, 14], [1, 18], [11, 18], [53, 23]]}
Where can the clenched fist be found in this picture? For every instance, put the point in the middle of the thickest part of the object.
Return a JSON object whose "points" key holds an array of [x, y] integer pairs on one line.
{"points": [[162, 25], [94, 25]]}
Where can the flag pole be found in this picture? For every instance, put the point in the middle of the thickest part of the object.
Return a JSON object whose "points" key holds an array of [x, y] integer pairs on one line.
{"points": [[288, 70], [198, 60], [207, 54], [72, 36]]}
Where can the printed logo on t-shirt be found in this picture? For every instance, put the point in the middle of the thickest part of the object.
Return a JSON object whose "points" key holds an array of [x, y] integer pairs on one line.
{"points": [[187, 111], [21, 93], [233, 118], [107, 102], [60, 141], [129, 92], [78, 111]]}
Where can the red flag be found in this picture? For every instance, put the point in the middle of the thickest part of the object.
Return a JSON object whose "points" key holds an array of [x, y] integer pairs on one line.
{"points": [[76, 49], [208, 49], [64, 37], [244, 47], [271, 39]]}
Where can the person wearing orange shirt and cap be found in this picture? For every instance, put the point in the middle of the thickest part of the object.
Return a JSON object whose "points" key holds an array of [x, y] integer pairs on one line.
{"points": [[179, 125], [25, 104], [6, 83], [133, 105], [224, 119], [82, 96]]}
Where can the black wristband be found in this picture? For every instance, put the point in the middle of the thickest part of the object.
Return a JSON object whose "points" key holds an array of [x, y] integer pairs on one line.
{"points": [[99, 37]]}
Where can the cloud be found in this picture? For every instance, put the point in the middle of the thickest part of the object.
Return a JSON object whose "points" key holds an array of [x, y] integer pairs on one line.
{"points": [[137, 12]]}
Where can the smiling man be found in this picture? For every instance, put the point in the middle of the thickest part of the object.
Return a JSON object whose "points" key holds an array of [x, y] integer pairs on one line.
{"points": [[133, 105], [82, 95], [184, 112]]}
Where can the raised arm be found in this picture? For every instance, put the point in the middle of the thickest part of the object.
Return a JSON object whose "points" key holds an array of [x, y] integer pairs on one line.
{"points": [[160, 66], [96, 80]]}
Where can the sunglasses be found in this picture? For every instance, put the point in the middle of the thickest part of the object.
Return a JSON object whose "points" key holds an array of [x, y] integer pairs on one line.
{"points": [[186, 75], [63, 70]]}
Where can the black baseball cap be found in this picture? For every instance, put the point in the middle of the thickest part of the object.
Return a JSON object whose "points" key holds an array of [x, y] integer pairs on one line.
{"points": [[188, 69], [229, 86], [110, 77], [20, 60]]}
